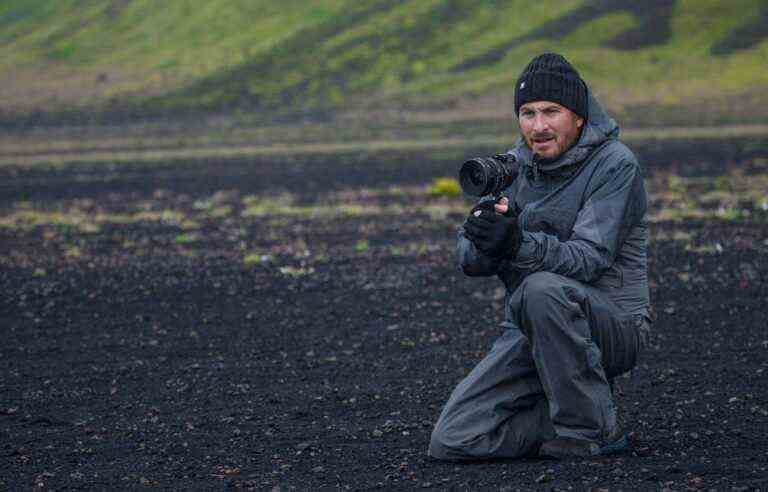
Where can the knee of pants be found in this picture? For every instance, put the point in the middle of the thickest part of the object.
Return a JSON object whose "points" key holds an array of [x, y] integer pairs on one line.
{"points": [[539, 291]]}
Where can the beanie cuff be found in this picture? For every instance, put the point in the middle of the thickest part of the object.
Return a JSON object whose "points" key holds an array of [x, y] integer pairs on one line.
{"points": [[568, 91]]}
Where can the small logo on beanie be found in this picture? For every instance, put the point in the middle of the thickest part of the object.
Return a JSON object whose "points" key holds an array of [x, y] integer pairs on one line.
{"points": [[522, 85]]}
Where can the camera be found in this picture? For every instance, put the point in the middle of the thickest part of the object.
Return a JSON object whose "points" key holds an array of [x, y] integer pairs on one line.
{"points": [[483, 176]]}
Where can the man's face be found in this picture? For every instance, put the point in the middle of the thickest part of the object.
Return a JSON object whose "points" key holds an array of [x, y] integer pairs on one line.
{"points": [[549, 129]]}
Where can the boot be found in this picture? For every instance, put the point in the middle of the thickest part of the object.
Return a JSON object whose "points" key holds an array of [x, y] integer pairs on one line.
{"points": [[560, 448], [616, 442]]}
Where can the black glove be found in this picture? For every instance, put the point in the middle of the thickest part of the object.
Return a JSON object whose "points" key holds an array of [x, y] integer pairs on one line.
{"points": [[492, 233], [486, 206]]}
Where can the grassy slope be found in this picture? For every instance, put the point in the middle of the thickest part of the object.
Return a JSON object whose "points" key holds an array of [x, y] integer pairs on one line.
{"points": [[86, 51], [194, 38], [292, 54]]}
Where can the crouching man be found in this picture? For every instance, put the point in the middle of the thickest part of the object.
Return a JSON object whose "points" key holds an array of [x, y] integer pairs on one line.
{"points": [[568, 239]]}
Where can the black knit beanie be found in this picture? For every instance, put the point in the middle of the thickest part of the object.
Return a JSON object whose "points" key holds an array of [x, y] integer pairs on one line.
{"points": [[549, 77]]}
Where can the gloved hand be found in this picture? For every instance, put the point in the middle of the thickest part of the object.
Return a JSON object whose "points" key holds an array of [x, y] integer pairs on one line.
{"points": [[486, 206], [494, 234], [482, 206]]}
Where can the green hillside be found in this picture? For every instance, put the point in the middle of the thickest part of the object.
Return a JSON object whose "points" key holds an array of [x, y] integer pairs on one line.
{"points": [[294, 55]]}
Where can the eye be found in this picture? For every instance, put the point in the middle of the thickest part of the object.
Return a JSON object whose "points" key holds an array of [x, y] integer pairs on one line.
{"points": [[527, 113]]}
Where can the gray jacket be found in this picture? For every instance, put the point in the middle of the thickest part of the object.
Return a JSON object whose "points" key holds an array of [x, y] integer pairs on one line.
{"points": [[581, 216]]}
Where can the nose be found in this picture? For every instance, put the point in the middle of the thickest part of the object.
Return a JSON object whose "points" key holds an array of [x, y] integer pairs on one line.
{"points": [[540, 124]]}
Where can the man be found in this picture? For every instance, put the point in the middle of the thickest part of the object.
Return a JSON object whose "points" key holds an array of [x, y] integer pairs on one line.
{"points": [[568, 239]]}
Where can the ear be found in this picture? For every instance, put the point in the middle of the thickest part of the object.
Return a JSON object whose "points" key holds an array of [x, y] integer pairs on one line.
{"points": [[579, 122]]}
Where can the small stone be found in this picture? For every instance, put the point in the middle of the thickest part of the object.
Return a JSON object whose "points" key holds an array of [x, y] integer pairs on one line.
{"points": [[748, 271], [318, 469], [696, 482], [544, 478], [303, 445]]}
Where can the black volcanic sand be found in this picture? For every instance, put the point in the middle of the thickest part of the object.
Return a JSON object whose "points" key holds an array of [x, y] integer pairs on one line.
{"points": [[297, 324]]}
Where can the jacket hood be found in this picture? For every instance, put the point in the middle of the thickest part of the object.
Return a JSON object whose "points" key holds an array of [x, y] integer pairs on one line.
{"points": [[598, 129]]}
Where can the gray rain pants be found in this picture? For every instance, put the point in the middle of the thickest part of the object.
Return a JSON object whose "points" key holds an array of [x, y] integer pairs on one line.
{"points": [[547, 375]]}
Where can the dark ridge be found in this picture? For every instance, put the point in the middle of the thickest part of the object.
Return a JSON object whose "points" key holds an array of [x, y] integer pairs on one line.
{"points": [[409, 40], [654, 25], [745, 36], [653, 17], [11, 17], [233, 85], [18, 14], [318, 80], [116, 7]]}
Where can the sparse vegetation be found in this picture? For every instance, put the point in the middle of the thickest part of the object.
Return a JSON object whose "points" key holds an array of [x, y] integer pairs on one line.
{"points": [[256, 259], [362, 245], [187, 238], [447, 187]]}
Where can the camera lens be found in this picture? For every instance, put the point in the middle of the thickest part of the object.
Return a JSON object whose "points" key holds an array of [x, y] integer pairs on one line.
{"points": [[487, 175], [473, 178], [477, 177]]}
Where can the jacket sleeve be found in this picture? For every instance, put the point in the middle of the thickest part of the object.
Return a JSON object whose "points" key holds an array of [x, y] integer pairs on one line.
{"points": [[611, 208]]}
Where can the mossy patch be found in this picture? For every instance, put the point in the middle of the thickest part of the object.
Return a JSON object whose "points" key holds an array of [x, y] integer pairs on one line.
{"points": [[448, 187]]}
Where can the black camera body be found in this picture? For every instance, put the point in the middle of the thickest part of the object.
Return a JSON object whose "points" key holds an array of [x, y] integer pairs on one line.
{"points": [[483, 176]]}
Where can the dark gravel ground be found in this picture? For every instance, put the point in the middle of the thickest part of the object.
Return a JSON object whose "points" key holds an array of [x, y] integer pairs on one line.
{"points": [[298, 324]]}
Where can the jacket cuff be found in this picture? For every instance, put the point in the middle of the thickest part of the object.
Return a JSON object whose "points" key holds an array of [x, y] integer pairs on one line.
{"points": [[526, 248]]}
